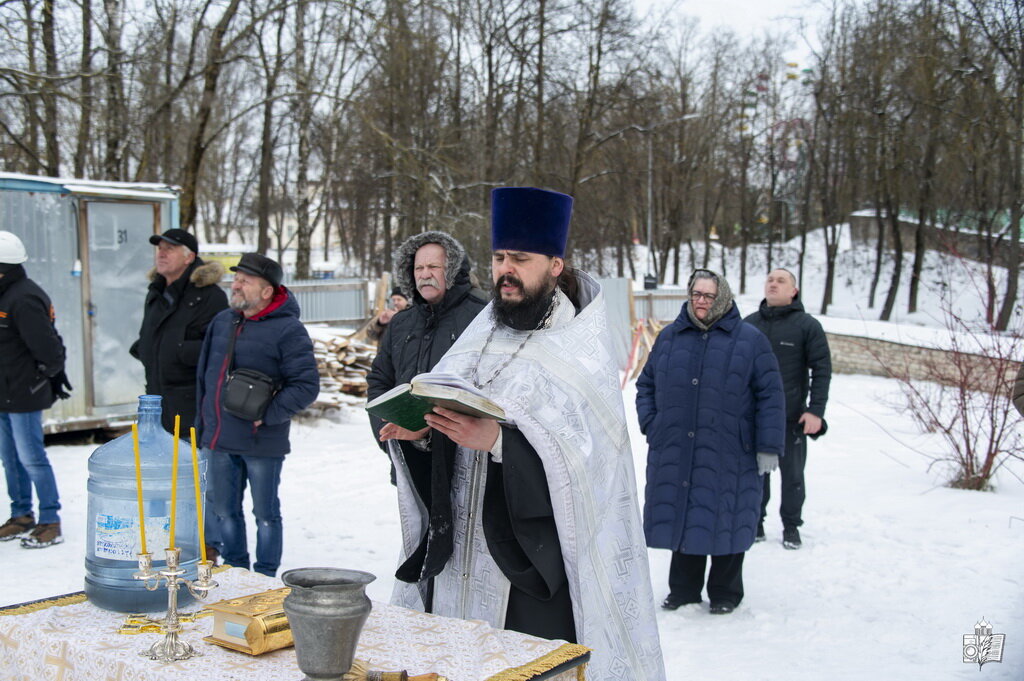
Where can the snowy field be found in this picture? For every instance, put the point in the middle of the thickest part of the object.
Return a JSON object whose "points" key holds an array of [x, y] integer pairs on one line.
{"points": [[895, 567]]}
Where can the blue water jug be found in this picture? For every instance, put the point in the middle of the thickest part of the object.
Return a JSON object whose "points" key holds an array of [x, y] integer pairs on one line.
{"points": [[113, 516]]}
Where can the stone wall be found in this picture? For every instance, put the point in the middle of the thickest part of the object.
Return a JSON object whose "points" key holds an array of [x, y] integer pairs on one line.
{"points": [[859, 355]]}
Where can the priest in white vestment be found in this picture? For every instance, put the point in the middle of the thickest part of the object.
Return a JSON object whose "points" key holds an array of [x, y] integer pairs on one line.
{"points": [[533, 523]]}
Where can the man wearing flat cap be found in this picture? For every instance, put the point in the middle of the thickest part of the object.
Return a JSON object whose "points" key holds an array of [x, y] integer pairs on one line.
{"points": [[183, 297], [261, 334], [540, 529]]}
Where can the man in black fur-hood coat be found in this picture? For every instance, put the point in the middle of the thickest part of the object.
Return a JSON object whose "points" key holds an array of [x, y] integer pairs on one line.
{"points": [[421, 334], [174, 323]]}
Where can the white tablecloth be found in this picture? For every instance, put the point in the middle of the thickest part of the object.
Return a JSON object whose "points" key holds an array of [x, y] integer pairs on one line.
{"points": [[80, 642]]}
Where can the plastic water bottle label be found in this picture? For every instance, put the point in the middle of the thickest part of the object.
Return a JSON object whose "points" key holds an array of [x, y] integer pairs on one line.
{"points": [[117, 537]]}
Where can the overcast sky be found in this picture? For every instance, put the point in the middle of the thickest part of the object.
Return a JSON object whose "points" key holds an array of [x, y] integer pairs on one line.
{"points": [[745, 17]]}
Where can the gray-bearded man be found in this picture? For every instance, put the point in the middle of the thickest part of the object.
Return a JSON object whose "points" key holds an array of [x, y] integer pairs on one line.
{"points": [[542, 534]]}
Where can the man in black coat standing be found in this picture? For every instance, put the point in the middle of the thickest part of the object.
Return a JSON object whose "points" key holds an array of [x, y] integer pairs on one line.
{"points": [[31, 378], [432, 270], [183, 297], [800, 345]]}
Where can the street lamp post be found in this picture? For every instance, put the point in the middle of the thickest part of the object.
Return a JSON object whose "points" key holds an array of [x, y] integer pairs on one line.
{"points": [[651, 278]]}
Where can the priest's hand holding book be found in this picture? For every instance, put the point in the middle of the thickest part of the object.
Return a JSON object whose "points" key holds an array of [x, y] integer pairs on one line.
{"points": [[469, 431], [390, 431], [443, 401]]}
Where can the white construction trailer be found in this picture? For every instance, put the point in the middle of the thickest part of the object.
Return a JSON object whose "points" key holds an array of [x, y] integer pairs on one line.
{"points": [[88, 247]]}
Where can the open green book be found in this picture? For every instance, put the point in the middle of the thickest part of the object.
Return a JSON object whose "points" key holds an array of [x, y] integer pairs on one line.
{"points": [[404, 405]]}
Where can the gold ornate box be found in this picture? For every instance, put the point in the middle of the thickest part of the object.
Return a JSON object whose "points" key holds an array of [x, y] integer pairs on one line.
{"points": [[253, 624]]}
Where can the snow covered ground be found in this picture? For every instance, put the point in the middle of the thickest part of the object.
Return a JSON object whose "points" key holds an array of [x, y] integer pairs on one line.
{"points": [[895, 567]]}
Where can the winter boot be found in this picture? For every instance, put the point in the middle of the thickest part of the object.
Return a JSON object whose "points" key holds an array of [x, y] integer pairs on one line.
{"points": [[791, 538], [675, 601], [16, 528], [46, 534], [760, 533]]}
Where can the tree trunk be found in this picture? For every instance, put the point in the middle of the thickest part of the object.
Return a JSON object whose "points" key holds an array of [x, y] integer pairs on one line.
{"points": [[114, 106], [918, 265], [876, 273], [304, 108], [830, 272], [85, 93], [897, 258], [197, 142], [49, 93], [538, 140], [1012, 266], [1016, 198]]}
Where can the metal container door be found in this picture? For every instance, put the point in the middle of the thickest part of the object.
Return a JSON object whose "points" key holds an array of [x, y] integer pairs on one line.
{"points": [[119, 257]]}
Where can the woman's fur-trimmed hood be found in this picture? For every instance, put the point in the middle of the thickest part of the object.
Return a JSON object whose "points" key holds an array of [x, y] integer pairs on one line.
{"points": [[405, 255], [203, 273]]}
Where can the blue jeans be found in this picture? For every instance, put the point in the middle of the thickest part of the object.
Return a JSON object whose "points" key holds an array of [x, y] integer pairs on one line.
{"points": [[229, 474], [25, 465]]}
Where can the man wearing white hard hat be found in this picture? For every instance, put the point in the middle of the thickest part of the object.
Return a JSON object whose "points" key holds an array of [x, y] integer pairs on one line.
{"points": [[31, 378]]}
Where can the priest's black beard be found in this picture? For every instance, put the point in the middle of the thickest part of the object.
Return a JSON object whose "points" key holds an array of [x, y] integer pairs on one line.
{"points": [[526, 314]]}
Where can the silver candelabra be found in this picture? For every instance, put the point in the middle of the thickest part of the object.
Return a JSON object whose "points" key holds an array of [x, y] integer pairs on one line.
{"points": [[172, 648]]}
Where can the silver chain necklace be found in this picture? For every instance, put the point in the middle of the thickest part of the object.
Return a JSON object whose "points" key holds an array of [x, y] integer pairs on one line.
{"points": [[543, 322]]}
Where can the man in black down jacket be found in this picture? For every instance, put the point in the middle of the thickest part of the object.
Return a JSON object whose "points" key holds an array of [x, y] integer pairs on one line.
{"points": [[433, 272], [31, 376], [183, 297], [270, 339], [800, 346]]}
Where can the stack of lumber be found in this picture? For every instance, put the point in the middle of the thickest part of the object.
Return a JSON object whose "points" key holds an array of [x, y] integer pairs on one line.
{"points": [[343, 362]]}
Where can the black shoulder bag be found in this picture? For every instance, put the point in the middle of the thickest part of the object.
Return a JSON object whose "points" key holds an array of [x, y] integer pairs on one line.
{"points": [[247, 392]]}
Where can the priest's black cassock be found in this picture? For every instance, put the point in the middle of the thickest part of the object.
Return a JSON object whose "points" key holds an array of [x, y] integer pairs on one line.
{"points": [[519, 526]]}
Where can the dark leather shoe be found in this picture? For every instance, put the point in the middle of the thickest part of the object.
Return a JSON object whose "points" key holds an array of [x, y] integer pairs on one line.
{"points": [[722, 608], [674, 602]]}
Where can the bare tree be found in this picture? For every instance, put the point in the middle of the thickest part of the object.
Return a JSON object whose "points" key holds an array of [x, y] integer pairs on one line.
{"points": [[197, 143]]}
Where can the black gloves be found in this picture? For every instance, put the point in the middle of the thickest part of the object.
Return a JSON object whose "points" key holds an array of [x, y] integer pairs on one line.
{"points": [[58, 384]]}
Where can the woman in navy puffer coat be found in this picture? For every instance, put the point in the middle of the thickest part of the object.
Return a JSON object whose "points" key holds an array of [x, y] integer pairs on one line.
{"points": [[711, 404]]}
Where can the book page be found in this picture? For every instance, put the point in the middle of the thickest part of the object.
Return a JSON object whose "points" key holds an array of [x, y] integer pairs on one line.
{"points": [[397, 390], [458, 400], [453, 380]]}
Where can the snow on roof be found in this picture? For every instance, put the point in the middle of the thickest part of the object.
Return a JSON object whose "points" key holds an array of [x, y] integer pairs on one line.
{"points": [[138, 190]]}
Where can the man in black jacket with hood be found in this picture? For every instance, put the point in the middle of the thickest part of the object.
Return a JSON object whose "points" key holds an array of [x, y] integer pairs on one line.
{"points": [[800, 345], [31, 378], [433, 272], [183, 297]]}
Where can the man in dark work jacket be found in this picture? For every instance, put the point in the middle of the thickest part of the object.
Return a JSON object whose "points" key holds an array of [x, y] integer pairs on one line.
{"points": [[31, 378], [800, 345], [432, 270], [532, 524]]}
